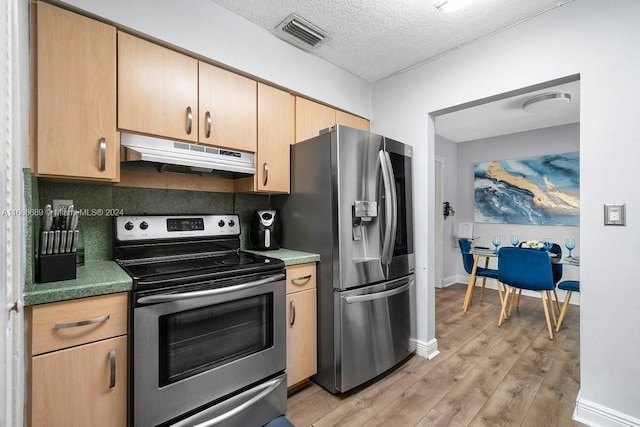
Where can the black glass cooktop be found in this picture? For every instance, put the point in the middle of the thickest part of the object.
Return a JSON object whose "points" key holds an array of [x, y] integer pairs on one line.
{"points": [[172, 265]]}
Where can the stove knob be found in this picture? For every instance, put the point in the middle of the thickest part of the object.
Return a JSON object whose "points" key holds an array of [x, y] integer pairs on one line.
{"points": [[231, 223], [221, 223], [128, 226], [144, 225]]}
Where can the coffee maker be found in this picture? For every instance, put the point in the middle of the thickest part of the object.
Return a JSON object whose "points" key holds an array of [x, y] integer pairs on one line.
{"points": [[266, 230]]}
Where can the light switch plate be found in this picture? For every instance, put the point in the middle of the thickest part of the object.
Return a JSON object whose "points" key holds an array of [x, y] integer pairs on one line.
{"points": [[615, 214]]}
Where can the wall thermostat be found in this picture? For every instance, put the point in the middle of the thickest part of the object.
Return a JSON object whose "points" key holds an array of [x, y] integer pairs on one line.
{"points": [[614, 215]]}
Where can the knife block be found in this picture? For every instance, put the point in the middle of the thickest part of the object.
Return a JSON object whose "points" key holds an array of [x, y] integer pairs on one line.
{"points": [[55, 267]]}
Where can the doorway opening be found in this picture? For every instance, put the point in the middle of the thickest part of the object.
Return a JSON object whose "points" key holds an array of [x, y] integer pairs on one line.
{"points": [[488, 129]]}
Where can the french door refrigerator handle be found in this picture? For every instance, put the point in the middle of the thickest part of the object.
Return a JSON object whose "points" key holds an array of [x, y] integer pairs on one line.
{"points": [[394, 205], [387, 208], [156, 299], [379, 295]]}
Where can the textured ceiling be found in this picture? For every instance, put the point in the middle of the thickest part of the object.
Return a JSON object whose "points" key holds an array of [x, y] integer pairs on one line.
{"points": [[375, 39]]}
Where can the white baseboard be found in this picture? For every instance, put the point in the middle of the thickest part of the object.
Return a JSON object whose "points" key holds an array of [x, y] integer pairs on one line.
{"points": [[428, 350], [452, 280], [593, 414]]}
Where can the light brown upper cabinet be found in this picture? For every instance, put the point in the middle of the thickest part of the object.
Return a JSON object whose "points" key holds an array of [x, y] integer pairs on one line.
{"points": [[350, 120], [276, 109], [227, 109], [157, 90], [312, 117], [76, 96]]}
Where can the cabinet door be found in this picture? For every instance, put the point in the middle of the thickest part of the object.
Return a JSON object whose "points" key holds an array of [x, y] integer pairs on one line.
{"points": [[301, 336], [74, 387], [312, 117], [275, 135], [350, 120], [157, 90], [76, 96], [227, 109]]}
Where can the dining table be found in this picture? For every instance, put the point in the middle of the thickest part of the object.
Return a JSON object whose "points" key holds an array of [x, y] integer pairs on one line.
{"points": [[487, 254]]}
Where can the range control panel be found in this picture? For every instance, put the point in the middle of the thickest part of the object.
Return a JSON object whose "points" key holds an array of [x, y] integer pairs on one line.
{"points": [[151, 227]]}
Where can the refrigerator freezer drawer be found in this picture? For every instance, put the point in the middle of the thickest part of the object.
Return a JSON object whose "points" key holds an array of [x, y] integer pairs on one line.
{"points": [[377, 330]]}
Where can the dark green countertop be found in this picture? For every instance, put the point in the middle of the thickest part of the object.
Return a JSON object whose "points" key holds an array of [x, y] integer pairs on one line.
{"points": [[93, 278]]}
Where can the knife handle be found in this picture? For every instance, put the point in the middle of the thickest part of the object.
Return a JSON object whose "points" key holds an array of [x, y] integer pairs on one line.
{"points": [[50, 243], [70, 234], [74, 245], [63, 241], [56, 241], [44, 236]]}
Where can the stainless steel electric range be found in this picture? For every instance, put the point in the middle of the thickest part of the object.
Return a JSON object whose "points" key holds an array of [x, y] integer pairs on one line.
{"points": [[208, 323]]}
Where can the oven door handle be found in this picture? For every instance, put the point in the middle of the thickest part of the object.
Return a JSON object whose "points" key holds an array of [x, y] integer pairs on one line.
{"points": [[157, 299], [265, 389]]}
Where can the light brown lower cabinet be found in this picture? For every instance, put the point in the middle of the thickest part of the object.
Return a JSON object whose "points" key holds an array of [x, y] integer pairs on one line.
{"points": [[78, 369], [301, 323], [75, 386]]}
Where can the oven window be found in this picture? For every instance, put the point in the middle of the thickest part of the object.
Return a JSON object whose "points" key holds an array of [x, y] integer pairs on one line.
{"points": [[200, 339]]}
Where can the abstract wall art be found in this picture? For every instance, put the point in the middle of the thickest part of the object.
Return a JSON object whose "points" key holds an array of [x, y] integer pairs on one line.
{"points": [[541, 190]]}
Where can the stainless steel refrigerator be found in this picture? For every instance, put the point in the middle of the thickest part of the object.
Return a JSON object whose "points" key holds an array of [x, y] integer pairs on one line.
{"points": [[351, 202]]}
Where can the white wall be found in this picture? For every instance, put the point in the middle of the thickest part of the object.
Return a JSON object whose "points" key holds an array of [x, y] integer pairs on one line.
{"points": [[448, 151], [205, 28], [602, 44]]}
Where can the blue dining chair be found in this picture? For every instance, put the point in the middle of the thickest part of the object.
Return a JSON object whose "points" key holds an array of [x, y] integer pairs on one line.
{"points": [[556, 269], [570, 286], [521, 268], [467, 261]]}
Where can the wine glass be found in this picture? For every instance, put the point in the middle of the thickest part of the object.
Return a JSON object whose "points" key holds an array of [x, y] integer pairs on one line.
{"points": [[547, 243], [515, 240], [570, 244], [496, 242]]}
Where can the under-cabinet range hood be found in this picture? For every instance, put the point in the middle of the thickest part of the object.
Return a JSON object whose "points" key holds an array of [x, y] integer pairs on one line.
{"points": [[150, 154]]}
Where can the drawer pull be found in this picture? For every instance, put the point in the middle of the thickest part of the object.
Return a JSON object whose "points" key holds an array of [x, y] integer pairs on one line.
{"points": [[292, 309], [305, 278], [112, 368], [82, 323]]}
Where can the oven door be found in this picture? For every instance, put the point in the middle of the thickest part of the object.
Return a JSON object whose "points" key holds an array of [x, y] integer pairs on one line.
{"points": [[192, 348]]}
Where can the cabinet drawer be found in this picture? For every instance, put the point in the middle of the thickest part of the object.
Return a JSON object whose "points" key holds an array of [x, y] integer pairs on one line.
{"points": [[68, 323], [301, 277]]}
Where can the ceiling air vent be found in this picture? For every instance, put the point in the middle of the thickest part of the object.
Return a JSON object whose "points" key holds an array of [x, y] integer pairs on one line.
{"points": [[300, 32]]}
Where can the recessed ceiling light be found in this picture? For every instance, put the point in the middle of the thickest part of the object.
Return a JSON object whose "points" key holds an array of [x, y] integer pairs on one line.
{"points": [[451, 5], [544, 101]]}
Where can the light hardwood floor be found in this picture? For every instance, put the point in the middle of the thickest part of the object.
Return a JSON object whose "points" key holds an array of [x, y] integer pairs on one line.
{"points": [[485, 375]]}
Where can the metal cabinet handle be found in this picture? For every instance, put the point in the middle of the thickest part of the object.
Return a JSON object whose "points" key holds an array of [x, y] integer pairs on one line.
{"points": [[103, 154], [189, 120], [292, 310], [305, 278], [208, 119], [162, 298], [266, 174], [82, 322], [264, 389], [112, 368]]}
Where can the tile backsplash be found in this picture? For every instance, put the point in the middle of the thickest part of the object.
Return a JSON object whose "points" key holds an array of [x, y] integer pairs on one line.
{"points": [[102, 201]]}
